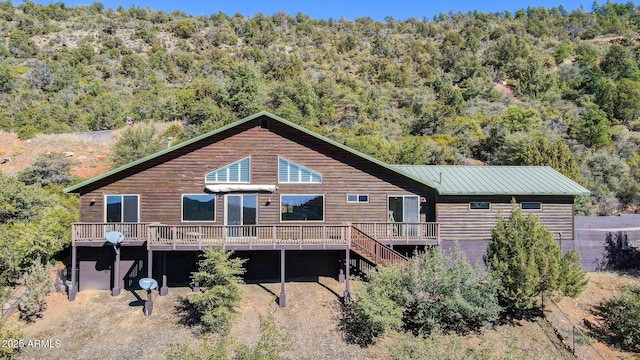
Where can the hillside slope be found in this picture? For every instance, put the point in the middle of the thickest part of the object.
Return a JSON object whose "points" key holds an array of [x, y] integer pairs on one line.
{"points": [[90, 150], [541, 86]]}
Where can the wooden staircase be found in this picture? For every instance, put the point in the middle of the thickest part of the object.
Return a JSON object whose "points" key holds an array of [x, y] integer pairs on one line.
{"points": [[373, 250]]}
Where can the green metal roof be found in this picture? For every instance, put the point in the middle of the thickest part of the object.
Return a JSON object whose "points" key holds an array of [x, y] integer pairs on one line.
{"points": [[494, 180], [77, 187]]}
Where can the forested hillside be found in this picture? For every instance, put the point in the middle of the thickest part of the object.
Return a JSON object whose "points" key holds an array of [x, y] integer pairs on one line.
{"points": [[538, 86]]}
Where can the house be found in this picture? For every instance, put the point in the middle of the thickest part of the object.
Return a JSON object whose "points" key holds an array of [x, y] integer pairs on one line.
{"points": [[295, 203]]}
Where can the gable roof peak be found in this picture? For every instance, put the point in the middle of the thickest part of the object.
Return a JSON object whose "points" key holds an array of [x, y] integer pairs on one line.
{"points": [[79, 186]]}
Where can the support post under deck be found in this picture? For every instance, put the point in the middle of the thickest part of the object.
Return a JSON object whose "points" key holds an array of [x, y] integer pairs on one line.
{"points": [[149, 263], [72, 286], [347, 292], [164, 290], [116, 274], [282, 300]]}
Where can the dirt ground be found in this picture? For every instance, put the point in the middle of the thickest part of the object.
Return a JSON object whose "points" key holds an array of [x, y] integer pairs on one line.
{"points": [[97, 325], [90, 151], [602, 285]]}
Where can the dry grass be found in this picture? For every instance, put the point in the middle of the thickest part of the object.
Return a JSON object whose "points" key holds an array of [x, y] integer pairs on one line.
{"points": [[602, 286], [92, 156], [97, 325]]}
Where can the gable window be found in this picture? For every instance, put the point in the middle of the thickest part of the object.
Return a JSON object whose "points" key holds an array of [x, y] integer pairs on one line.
{"points": [[357, 198], [302, 207], [237, 172], [531, 205], [122, 208], [290, 172], [480, 205], [198, 207]]}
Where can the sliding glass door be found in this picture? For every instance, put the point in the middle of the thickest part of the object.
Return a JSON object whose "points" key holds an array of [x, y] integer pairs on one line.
{"points": [[241, 210], [404, 209]]}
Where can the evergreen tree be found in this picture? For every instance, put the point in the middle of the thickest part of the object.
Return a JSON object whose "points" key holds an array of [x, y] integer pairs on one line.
{"points": [[220, 276], [37, 284], [243, 91], [524, 258], [557, 155]]}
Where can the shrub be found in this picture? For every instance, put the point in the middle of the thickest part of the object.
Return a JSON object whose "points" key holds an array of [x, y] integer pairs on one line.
{"points": [[21, 45], [37, 284], [208, 349], [573, 279], [274, 340], [49, 169], [184, 29], [7, 79], [8, 334], [436, 292], [135, 143], [622, 317], [378, 307], [441, 346], [448, 294], [220, 275]]}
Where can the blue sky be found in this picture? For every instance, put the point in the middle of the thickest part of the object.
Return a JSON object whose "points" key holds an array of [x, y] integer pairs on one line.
{"points": [[325, 9]]}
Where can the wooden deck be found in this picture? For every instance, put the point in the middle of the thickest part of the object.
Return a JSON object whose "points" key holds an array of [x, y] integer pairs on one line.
{"points": [[253, 237]]}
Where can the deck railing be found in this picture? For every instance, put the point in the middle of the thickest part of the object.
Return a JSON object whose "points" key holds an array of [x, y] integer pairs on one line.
{"points": [[373, 250], [249, 235], [96, 231], [221, 235], [399, 232]]}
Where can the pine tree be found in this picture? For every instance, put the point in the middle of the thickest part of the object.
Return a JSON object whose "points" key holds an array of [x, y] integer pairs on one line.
{"points": [[526, 260], [220, 276], [37, 284], [574, 279]]}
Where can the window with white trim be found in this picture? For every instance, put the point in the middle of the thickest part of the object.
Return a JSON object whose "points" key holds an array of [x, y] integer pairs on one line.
{"points": [[357, 198], [290, 172], [301, 207], [198, 207], [480, 205], [122, 208], [528, 205], [237, 172]]}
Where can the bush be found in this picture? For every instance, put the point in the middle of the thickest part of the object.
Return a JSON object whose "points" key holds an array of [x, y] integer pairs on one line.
{"points": [[208, 349], [378, 308], [573, 278], [440, 346], [49, 169], [21, 45], [7, 79], [436, 292], [37, 284], [274, 340], [8, 334], [622, 317], [135, 143], [220, 275], [448, 294], [184, 29]]}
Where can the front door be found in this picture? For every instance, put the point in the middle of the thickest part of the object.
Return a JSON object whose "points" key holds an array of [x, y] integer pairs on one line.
{"points": [[241, 210]]}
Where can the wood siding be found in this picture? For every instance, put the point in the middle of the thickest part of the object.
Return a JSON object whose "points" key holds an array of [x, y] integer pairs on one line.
{"points": [[161, 182], [458, 222]]}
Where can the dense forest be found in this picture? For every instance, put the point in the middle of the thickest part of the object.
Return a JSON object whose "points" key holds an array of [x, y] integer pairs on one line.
{"points": [[535, 87]]}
